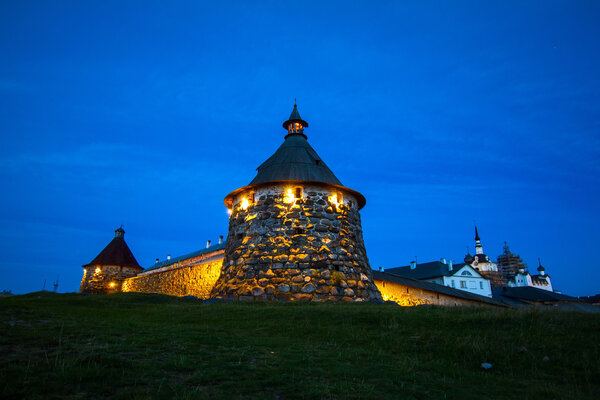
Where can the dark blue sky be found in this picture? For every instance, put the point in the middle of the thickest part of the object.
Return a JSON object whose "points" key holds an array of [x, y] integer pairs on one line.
{"points": [[440, 113]]}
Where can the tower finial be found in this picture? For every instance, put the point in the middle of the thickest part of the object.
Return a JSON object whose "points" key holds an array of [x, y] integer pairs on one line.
{"points": [[476, 233], [295, 124], [119, 232]]}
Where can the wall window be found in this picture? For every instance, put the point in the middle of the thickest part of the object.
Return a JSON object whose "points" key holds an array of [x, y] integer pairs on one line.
{"points": [[466, 273], [453, 285], [298, 192], [481, 285], [463, 284]]}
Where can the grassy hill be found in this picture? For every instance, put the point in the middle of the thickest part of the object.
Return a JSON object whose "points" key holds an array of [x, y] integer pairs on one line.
{"points": [[150, 346]]}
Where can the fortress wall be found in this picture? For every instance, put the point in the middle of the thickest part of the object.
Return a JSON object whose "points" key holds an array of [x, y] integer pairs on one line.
{"points": [[284, 248], [411, 296], [196, 279]]}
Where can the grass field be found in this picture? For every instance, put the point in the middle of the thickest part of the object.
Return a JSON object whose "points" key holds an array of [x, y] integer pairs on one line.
{"points": [[150, 346]]}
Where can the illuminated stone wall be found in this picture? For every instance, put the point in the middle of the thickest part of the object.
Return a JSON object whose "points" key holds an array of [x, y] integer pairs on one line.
{"points": [[189, 280], [410, 296], [105, 279], [282, 246]]}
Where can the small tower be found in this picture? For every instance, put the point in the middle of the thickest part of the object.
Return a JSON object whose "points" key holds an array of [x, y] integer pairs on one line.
{"points": [[106, 272], [540, 268], [295, 231]]}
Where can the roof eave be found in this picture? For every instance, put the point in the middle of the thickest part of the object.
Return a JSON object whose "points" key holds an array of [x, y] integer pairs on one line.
{"points": [[362, 201]]}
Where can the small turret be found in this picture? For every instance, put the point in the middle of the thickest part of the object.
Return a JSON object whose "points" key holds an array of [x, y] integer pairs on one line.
{"points": [[540, 268], [106, 272]]}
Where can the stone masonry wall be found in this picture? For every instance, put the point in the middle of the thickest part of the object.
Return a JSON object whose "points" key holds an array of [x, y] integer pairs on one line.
{"points": [[308, 249], [188, 280], [105, 279], [411, 296]]}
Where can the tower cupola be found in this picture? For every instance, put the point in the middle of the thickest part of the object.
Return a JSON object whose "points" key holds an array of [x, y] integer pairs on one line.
{"points": [[295, 124], [540, 268]]}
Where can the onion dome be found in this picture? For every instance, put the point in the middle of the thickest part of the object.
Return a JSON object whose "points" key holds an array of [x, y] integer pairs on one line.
{"points": [[540, 268], [295, 161], [468, 258], [481, 258], [116, 253]]}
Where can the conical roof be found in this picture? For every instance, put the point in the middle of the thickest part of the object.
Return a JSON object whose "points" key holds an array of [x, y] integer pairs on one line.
{"points": [[295, 117], [116, 253], [295, 161]]}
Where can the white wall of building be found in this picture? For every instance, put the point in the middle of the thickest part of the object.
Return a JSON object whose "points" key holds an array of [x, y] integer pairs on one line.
{"points": [[469, 280]]}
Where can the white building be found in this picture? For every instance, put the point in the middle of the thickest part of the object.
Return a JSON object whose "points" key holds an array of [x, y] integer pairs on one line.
{"points": [[540, 281], [461, 276]]}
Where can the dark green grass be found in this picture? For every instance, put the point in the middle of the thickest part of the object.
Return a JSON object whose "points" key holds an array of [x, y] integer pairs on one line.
{"points": [[149, 346]]}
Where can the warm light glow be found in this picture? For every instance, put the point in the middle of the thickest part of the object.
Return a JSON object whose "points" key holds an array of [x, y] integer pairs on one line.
{"points": [[112, 284], [244, 203], [333, 199], [229, 211], [289, 196], [98, 270]]}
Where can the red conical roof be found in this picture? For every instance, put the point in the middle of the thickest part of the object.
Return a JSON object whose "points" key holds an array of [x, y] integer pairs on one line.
{"points": [[116, 253]]}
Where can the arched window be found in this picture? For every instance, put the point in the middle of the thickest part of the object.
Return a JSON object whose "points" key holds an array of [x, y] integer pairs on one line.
{"points": [[466, 273]]}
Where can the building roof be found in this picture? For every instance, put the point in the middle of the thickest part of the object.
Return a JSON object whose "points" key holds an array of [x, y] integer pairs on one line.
{"points": [[540, 279], [529, 293], [175, 260], [295, 161], [116, 253], [426, 270], [433, 287]]}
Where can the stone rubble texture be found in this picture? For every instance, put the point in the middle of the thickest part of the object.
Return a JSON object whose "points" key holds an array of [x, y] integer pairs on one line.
{"points": [[190, 280], [105, 279], [308, 250]]}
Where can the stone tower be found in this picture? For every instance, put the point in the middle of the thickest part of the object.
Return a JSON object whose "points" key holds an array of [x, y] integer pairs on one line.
{"points": [[106, 272], [295, 231]]}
